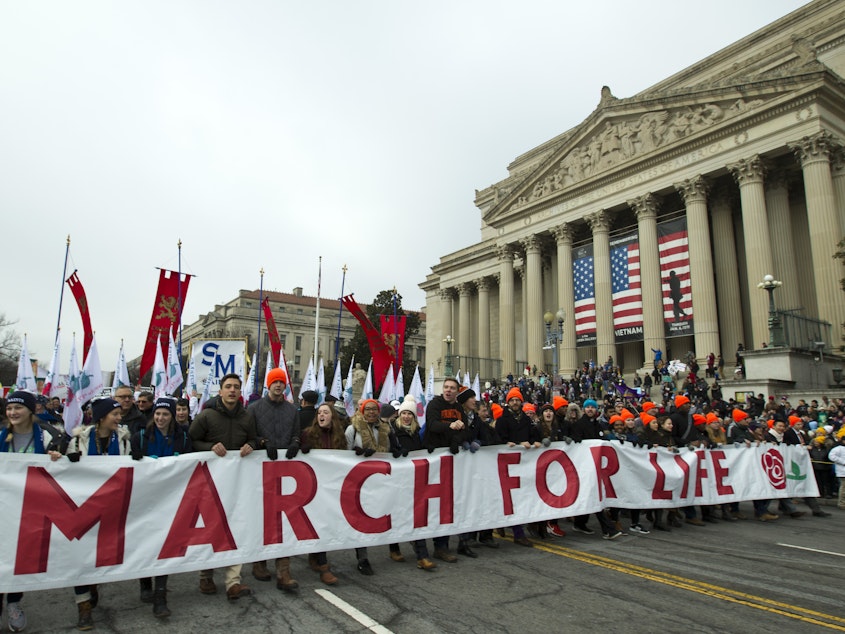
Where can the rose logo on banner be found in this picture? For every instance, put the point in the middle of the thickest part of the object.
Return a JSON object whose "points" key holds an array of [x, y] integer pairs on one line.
{"points": [[773, 466]]}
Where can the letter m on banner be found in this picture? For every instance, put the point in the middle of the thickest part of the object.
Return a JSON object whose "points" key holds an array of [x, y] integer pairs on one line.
{"points": [[45, 504]]}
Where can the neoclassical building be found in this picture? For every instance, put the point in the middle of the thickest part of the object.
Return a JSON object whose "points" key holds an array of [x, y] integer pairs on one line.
{"points": [[653, 221]]}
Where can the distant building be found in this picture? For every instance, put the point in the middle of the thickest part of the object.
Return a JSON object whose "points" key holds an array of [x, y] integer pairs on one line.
{"points": [[294, 314]]}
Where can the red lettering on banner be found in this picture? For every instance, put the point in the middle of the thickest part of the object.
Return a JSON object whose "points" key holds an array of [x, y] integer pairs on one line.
{"points": [[685, 468], [607, 464], [659, 492], [200, 499], [424, 491], [700, 471], [506, 481], [720, 472], [46, 504], [350, 497], [293, 505], [573, 484]]}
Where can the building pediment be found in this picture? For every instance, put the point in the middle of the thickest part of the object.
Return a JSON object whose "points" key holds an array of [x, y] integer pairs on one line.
{"points": [[622, 131]]}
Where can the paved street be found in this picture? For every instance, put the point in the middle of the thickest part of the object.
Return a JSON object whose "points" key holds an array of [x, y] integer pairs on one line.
{"points": [[743, 576]]}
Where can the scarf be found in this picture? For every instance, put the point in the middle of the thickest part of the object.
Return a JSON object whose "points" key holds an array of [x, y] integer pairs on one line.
{"points": [[368, 440], [37, 445], [94, 447]]}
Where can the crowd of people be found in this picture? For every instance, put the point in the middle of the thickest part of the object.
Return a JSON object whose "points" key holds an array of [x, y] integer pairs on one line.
{"points": [[521, 412]]}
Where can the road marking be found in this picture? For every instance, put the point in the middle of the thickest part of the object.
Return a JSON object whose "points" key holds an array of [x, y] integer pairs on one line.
{"points": [[726, 594], [355, 613], [812, 550]]}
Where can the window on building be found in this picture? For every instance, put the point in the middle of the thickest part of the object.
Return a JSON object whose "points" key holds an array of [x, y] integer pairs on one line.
{"points": [[296, 374], [281, 309], [283, 339], [298, 311], [297, 359], [298, 345], [248, 304]]}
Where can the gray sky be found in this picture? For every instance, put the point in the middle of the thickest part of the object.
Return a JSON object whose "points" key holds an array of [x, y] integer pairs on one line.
{"points": [[267, 133]]}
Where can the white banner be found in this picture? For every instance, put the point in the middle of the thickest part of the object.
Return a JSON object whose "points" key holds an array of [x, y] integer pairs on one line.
{"points": [[109, 519], [216, 358]]}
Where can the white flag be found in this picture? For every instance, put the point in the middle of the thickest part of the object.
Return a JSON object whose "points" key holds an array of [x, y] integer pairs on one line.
{"points": [[368, 383], [309, 380], [466, 380], [416, 390], [429, 386], [348, 401], [191, 384], [174, 367], [386, 394], [271, 366], [26, 377], [458, 377], [283, 364], [91, 377], [249, 388], [209, 380], [72, 414], [476, 386], [51, 384], [399, 387], [337, 387], [159, 378], [121, 372], [321, 382]]}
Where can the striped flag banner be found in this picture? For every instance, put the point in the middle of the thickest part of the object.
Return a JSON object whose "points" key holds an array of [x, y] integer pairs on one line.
{"points": [[625, 288], [673, 245], [585, 295]]}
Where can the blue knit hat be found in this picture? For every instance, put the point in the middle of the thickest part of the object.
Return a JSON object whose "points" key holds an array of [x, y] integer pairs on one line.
{"points": [[590, 403]]}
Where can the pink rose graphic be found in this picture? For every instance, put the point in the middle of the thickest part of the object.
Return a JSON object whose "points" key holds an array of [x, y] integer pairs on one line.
{"points": [[773, 466]]}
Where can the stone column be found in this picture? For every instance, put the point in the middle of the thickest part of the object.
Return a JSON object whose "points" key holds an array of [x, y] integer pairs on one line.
{"points": [[728, 296], [783, 247], [654, 332], [837, 167], [825, 232], [705, 316], [605, 344], [566, 299], [483, 285], [522, 347], [534, 299], [507, 336], [446, 295], [749, 174], [463, 339]]}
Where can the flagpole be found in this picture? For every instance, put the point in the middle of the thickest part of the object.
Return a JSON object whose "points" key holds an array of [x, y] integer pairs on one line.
{"points": [[395, 334], [62, 293], [339, 313], [258, 343], [179, 297], [317, 315]]}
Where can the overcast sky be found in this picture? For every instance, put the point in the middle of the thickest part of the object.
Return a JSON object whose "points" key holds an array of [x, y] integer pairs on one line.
{"points": [[268, 133]]}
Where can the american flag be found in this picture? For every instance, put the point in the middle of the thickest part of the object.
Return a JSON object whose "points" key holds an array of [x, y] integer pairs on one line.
{"points": [[673, 246], [585, 291], [625, 284]]}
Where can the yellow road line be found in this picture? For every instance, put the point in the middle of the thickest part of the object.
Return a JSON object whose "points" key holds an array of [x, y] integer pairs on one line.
{"points": [[726, 594]]}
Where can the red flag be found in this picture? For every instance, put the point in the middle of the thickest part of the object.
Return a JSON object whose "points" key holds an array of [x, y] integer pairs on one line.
{"points": [[378, 348], [393, 335], [272, 331], [79, 293], [166, 314]]}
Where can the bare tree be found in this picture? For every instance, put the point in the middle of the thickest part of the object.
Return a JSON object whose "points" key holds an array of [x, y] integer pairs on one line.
{"points": [[10, 351]]}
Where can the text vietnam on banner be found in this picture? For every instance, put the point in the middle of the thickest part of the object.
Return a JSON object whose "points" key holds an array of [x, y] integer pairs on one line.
{"points": [[69, 523]]}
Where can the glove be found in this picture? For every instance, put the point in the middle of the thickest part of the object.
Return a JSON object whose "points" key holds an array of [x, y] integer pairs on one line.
{"points": [[547, 441], [136, 454], [272, 452], [404, 453], [621, 441], [369, 452], [474, 446], [305, 449], [359, 451], [430, 449], [567, 440], [397, 452], [73, 457], [465, 445], [293, 449]]}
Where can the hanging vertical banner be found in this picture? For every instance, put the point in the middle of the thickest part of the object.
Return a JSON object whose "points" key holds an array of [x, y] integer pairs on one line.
{"points": [[393, 335], [585, 295], [166, 315], [673, 246], [381, 356], [625, 288], [81, 301]]}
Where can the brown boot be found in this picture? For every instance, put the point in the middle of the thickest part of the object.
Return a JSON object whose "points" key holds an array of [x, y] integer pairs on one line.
{"points": [[326, 575], [260, 572], [312, 562], [85, 622], [283, 579]]}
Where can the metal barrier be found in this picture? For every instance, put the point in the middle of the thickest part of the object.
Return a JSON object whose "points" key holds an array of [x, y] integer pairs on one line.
{"points": [[805, 333]]}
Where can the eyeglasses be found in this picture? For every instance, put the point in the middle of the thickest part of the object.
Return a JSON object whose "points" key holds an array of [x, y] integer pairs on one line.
{"points": [[371, 409], [123, 396]]}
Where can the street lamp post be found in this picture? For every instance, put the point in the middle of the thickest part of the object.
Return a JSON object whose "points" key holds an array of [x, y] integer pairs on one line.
{"points": [[449, 340], [769, 284], [553, 338]]}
